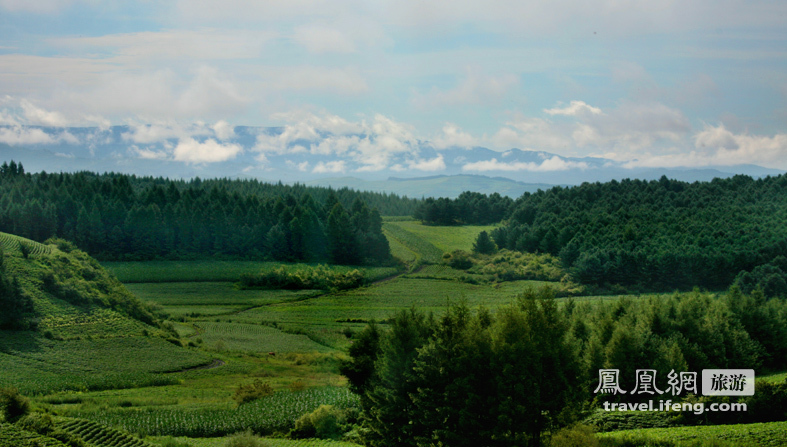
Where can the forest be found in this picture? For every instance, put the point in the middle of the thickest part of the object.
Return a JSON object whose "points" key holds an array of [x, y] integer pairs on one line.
{"points": [[639, 235], [122, 217]]}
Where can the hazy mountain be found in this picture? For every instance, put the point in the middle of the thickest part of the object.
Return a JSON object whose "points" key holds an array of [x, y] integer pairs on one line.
{"points": [[417, 169]]}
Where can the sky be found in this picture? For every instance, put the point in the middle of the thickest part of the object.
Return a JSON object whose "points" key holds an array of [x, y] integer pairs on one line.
{"points": [[649, 83]]}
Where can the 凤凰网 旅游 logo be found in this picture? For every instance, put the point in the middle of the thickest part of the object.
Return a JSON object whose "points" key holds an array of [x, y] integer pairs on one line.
{"points": [[728, 382], [715, 382]]}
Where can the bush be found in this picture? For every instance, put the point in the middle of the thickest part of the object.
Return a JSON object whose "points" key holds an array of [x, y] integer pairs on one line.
{"points": [[325, 422], [244, 439], [459, 259], [320, 277], [61, 244], [252, 391], [576, 436], [14, 405]]}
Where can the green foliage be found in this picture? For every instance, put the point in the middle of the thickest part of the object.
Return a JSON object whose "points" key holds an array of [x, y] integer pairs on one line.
{"points": [[275, 413], [484, 244], [244, 439], [122, 217], [770, 279], [325, 422], [13, 405], [252, 391], [762, 434], [468, 208], [458, 380], [654, 235], [578, 435], [307, 278]]}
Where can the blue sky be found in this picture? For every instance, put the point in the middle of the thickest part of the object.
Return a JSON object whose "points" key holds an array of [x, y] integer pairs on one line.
{"points": [[667, 83]]}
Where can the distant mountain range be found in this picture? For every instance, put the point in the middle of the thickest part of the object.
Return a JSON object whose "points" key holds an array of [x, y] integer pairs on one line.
{"points": [[420, 170]]}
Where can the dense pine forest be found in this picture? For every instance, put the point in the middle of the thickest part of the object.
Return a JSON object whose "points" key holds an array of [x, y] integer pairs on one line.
{"points": [[122, 217], [659, 234], [643, 235]]}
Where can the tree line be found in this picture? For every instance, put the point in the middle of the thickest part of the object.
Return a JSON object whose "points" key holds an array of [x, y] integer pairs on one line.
{"points": [[505, 379], [655, 235], [470, 208], [124, 217]]}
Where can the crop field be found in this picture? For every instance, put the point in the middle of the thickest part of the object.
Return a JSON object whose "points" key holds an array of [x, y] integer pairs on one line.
{"points": [[100, 435], [399, 250], [70, 322], [760, 434], [446, 239], [13, 244], [265, 442], [37, 365], [254, 338], [381, 301], [423, 249], [277, 412], [13, 436], [213, 294], [438, 271], [214, 271]]}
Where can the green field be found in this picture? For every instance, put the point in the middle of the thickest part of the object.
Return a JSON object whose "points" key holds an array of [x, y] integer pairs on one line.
{"points": [[266, 442], [253, 338], [423, 250], [446, 239], [214, 271], [13, 244], [761, 434], [270, 414], [37, 365]]}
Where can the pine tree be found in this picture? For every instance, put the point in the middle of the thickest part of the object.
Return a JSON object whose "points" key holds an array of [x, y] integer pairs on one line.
{"points": [[484, 244]]}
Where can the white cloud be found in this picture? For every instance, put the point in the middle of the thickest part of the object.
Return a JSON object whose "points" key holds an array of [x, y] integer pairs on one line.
{"points": [[223, 130], [435, 164], [717, 146], [38, 116], [155, 133], [370, 144], [320, 39], [330, 167], [453, 136], [303, 166], [337, 81], [22, 135], [190, 150], [475, 89], [172, 45], [574, 109], [148, 154], [552, 164], [38, 6]]}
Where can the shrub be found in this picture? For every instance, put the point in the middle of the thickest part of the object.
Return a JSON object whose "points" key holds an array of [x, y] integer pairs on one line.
{"points": [[244, 439], [579, 435], [61, 244], [459, 259], [13, 404], [252, 391], [325, 422]]}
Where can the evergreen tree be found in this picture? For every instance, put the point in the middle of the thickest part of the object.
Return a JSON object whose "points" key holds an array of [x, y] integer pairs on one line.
{"points": [[484, 244]]}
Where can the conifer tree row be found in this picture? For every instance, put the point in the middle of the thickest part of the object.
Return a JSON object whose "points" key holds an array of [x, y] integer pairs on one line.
{"points": [[124, 217]]}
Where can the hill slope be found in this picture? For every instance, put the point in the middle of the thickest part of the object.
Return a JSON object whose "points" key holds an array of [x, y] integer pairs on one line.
{"points": [[70, 325]]}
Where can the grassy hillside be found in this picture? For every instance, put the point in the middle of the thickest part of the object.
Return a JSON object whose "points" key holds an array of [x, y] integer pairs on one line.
{"points": [[81, 328], [445, 239]]}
